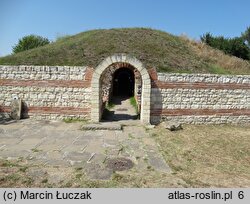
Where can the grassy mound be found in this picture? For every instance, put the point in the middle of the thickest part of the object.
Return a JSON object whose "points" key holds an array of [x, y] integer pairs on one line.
{"points": [[165, 52]]}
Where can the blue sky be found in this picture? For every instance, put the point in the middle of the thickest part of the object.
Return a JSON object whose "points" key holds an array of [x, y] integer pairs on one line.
{"points": [[52, 18]]}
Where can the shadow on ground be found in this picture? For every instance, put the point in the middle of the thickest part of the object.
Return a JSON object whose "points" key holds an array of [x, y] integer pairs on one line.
{"points": [[121, 110]]}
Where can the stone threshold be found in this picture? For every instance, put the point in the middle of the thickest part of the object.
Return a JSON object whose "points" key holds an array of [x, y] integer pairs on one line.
{"points": [[102, 126]]}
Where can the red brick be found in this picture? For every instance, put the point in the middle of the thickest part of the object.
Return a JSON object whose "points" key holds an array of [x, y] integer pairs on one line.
{"points": [[89, 73], [46, 83], [179, 112], [56, 110], [153, 74], [199, 85]]}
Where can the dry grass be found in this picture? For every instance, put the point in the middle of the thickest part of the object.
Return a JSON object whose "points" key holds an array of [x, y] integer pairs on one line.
{"points": [[207, 156], [16, 174], [199, 155], [228, 64]]}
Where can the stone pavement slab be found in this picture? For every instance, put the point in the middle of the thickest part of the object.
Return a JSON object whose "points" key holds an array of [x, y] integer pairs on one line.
{"points": [[55, 143]]}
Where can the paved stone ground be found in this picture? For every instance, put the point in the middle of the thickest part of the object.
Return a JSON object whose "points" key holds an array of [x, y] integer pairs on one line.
{"points": [[55, 143]]}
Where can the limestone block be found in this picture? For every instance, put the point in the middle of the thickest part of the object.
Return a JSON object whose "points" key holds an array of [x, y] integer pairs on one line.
{"points": [[108, 61], [95, 77], [33, 96], [173, 126], [123, 57], [118, 58], [113, 59]]}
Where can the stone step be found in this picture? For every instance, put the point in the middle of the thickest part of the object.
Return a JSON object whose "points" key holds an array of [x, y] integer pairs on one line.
{"points": [[102, 126]]}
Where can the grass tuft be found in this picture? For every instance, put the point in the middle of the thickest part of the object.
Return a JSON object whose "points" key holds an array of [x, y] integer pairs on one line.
{"points": [[215, 69], [35, 150], [134, 104], [44, 180], [73, 120], [110, 105]]}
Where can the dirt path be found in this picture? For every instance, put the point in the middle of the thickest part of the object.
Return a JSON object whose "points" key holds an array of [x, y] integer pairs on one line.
{"points": [[122, 110]]}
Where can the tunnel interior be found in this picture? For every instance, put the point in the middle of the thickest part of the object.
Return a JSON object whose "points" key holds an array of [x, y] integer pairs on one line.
{"points": [[123, 82]]}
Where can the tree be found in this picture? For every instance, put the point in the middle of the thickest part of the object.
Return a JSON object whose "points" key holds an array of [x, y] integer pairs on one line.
{"points": [[238, 48], [29, 42], [246, 36], [232, 46], [207, 38]]}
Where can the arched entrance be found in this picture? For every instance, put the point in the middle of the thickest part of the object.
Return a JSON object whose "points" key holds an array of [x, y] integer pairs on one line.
{"points": [[122, 62], [123, 82]]}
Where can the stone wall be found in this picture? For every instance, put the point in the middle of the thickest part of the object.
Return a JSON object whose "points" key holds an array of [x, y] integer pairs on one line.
{"points": [[42, 72], [200, 98], [50, 92], [56, 92]]}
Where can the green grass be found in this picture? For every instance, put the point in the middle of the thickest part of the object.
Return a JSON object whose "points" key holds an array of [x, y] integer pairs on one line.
{"points": [[215, 69], [155, 48], [73, 120], [78, 176], [78, 168], [13, 177], [134, 104], [36, 150], [44, 180], [110, 105], [23, 168], [6, 163], [130, 136]]}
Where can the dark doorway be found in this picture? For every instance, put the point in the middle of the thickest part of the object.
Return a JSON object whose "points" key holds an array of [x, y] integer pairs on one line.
{"points": [[123, 82]]}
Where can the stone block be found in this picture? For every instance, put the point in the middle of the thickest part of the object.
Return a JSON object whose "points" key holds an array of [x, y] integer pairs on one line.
{"points": [[124, 57], [104, 64], [139, 67], [113, 59], [147, 86], [146, 92], [119, 58], [16, 109], [173, 126], [108, 61], [95, 77], [95, 106], [95, 85]]}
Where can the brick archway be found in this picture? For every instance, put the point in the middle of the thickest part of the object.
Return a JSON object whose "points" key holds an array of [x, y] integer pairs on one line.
{"points": [[95, 85]]}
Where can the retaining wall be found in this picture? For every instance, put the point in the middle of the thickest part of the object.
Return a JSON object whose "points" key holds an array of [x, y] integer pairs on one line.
{"points": [[200, 98], [48, 92], [56, 92]]}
